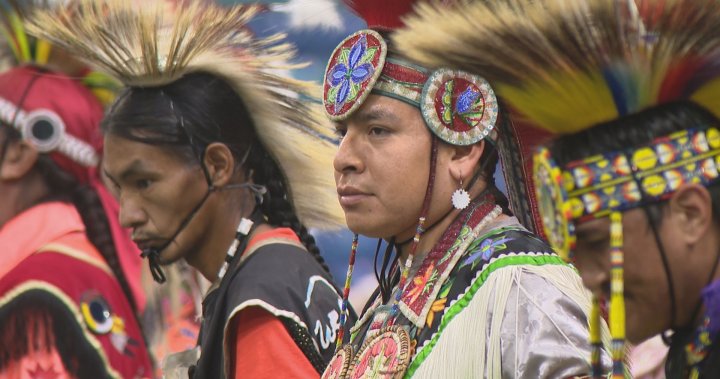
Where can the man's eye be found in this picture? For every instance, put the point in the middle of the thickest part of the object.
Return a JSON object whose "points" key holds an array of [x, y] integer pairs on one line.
{"points": [[142, 184], [378, 131], [340, 133]]}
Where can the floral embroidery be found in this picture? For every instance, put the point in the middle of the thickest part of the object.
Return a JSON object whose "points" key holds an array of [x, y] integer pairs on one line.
{"points": [[350, 72], [486, 249], [423, 282], [437, 306]]}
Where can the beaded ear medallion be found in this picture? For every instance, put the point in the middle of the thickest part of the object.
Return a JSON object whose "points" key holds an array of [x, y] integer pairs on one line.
{"points": [[620, 180], [553, 204], [352, 71], [460, 108]]}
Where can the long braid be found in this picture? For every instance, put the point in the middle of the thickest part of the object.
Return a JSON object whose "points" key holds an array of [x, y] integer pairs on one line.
{"points": [[276, 205], [87, 202], [491, 161]]}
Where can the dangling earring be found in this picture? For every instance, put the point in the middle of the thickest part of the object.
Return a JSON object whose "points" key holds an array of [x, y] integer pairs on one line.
{"points": [[460, 198]]}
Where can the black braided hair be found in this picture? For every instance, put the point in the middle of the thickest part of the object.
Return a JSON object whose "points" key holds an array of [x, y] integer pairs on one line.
{"points": [[87, 202], [206, 109], [276, 203], [488, 163]]}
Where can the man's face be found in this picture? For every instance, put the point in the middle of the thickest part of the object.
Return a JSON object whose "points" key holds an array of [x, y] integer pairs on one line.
{"points": [[156, 191], [382, 167], [647, 294]]}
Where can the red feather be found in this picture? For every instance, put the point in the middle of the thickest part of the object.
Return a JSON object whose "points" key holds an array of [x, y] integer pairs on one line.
{"points": [[677, 78], [382, 14]]}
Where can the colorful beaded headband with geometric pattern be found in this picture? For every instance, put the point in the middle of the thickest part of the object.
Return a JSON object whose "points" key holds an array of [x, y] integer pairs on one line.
{"points": [[617, 181], [459, 108]]}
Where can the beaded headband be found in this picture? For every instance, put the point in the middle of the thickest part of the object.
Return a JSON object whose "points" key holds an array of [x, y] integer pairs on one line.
{"points": [[458, 107], [620, 180], [45, 129]]}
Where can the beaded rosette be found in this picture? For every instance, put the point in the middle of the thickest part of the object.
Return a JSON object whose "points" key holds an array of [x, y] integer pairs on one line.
{"points": [[620, 180], [352, 71], [458, 107]]}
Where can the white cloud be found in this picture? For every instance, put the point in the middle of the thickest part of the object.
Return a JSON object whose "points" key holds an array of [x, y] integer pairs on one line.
{"points": [[312, 14]]}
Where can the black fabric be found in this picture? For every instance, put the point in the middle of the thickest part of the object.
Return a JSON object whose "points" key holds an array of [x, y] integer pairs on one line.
{"points": [[279, 275], [676, 366]]}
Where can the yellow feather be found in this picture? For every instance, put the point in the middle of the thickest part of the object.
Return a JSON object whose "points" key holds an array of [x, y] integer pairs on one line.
{"points": [[709, 96], [42, 51]]}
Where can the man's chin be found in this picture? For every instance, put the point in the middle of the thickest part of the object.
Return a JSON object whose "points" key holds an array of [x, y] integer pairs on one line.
{"points": [[166, 261], [369, 232]]}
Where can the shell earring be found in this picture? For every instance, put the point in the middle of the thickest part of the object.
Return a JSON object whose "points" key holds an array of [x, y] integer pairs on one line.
{"points": [[460, 198]]}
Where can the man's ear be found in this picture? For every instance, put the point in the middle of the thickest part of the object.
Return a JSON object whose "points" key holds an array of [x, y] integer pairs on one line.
{"points": [[465, 160], [220, 164], [20, 158], [691, 211]]}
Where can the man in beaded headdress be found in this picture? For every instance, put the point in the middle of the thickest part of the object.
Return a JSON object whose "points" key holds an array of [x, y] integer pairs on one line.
{"points": [[629, 188], [69, 274], [471, 293], [220, 162]]}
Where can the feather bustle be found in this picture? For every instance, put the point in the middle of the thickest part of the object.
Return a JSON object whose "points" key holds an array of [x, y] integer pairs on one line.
{"points": [[575, 55]]}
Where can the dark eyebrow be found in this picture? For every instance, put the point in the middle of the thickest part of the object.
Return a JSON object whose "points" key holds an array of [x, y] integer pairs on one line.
{"points": [[133, 168], [375, 114]]}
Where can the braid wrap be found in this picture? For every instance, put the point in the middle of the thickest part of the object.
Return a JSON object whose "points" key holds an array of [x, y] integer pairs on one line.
{"points": [[88, 204]]}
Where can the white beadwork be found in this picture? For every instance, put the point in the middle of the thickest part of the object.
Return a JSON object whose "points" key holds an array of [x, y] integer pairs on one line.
{"points": [[243, 229]]}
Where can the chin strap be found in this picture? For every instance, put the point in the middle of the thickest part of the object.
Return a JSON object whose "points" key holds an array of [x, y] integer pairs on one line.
{"points": [[153, 254], [156, 270]]}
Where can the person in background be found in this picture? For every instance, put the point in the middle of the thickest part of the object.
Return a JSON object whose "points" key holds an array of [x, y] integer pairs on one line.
{"points": [[629, 186], [69, 283], [219, 162], [469, 292]]}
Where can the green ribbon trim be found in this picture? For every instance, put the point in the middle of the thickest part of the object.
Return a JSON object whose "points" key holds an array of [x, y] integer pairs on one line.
{"points": [[460, 304]]}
